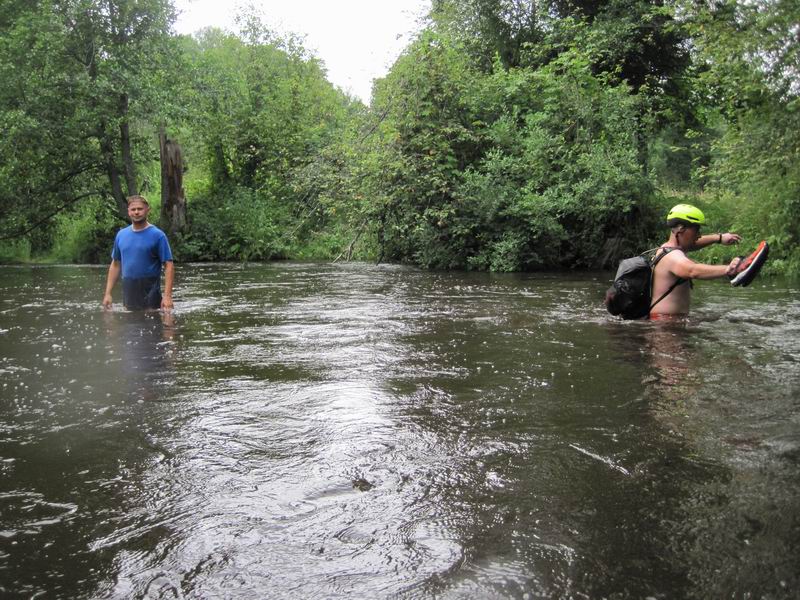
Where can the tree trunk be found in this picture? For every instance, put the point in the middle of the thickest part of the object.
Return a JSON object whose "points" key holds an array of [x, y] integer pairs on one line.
{"points": [[125, 142], [220, 169], [113, 174], [173, 201], [107, 151]]}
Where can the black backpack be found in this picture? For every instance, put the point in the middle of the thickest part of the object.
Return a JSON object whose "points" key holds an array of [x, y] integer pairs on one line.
{"points": [[630, 296]]}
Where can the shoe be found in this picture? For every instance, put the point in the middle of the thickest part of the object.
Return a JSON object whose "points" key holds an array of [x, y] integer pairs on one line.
{"points": [[750, 266]]}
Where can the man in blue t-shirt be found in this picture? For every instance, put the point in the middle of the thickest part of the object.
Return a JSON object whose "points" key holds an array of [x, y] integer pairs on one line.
{"points": [[139, 253]]}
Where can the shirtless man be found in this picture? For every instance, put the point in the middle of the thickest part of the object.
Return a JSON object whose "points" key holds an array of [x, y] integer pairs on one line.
{"points": [[685, 221]]}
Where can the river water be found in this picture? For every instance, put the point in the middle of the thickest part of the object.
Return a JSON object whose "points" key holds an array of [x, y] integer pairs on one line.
{"points": [[358, 431]]}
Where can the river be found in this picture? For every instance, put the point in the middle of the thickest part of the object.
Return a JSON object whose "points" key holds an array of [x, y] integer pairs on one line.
{"points": [[357, 431]]}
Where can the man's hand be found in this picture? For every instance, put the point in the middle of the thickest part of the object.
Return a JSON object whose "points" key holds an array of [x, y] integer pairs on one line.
{"points": [[729, 239], [169, 279], [113, 274], [734, 266]]}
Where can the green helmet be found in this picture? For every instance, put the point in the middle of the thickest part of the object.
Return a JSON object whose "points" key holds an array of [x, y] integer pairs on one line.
{"points": [[685, 214]]}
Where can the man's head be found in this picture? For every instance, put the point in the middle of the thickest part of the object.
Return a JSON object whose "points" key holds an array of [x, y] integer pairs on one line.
{"points": [[685, 214], [138, 208], [137, 198], [685, 218]]}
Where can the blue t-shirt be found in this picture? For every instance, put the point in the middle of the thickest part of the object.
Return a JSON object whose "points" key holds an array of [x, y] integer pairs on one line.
{"points": [[141, 252]]}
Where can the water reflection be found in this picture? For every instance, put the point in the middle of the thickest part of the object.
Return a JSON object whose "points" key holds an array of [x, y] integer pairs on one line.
{"points": [[716, 392], [670, 356], [142, 348], [61, 452]]}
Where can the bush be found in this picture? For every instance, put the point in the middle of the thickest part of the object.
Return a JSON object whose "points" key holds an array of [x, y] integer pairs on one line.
{"points": [[233, 223], [85, 235], [15, 250]]}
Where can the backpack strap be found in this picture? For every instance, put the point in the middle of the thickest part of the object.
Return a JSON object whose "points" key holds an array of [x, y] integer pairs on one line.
{"points": [[678, 281]]}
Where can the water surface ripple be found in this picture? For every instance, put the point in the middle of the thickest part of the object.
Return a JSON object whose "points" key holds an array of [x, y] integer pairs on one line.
{"points": [[359, 431]]}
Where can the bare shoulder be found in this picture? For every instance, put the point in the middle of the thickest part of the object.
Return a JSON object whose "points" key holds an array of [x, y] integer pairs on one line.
{"points": [[674, 261], [679, 264], [674, 255]]}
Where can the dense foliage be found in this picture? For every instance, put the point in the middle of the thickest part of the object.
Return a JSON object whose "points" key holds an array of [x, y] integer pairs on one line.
{"points": [[260, 113], [510, 135], [78, 77]]}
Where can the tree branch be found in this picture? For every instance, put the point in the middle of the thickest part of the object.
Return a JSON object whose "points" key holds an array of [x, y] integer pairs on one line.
{"points": [[348, 252], [44, 220]]}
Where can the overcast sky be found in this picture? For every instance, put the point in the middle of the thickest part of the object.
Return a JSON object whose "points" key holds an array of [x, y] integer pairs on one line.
{"points": [[358, 40]]}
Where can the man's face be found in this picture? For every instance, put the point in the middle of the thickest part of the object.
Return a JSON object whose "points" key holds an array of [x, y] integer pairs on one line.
{"points": [[137, 211]]}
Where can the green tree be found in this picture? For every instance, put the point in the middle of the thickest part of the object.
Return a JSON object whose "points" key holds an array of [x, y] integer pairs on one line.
{"points": [[636, 44], [750, 54], [262, 115], [486, 29], [429, 139], [523, 168], [80, 76], [47, 161]]}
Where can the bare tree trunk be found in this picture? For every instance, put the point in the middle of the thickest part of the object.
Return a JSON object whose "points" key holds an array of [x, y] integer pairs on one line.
{"points": [[107, 150], [125, 142], [113, 174], [221, 171], [173, 201]]}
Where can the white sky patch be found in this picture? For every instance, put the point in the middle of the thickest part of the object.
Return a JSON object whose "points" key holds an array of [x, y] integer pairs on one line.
{"points": [[358, 40]]}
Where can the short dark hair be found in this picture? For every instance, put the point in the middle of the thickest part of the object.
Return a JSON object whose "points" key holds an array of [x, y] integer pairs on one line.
{"points": [[136, 198], [675, 222]]}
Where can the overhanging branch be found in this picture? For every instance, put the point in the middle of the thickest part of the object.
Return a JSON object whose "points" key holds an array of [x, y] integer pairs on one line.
{"points": [[40, 222]]}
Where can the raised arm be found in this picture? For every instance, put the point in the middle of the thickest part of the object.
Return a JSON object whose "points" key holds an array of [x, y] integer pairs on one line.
{"points": [[726, 239], [685, 268]]}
